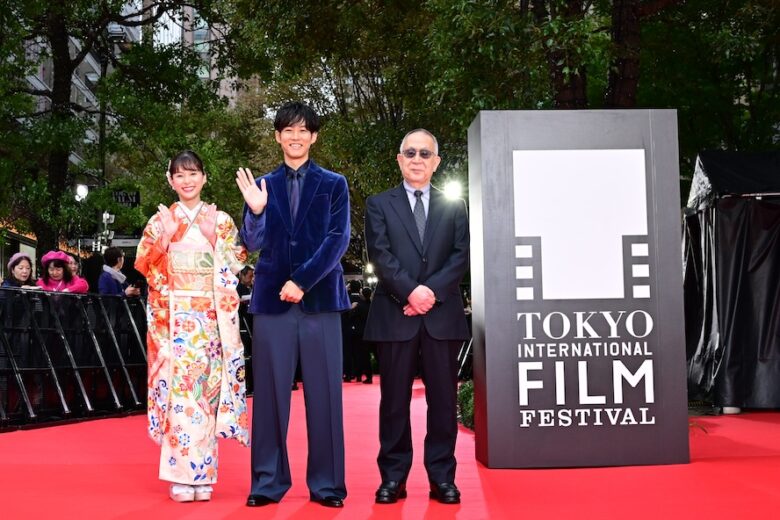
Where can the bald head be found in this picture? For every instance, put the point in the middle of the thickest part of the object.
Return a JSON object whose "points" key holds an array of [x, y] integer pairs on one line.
{"points": [[420, 131]]}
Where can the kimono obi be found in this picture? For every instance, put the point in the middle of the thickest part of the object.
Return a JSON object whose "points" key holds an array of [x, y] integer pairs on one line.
{"points": [[191, 267]]}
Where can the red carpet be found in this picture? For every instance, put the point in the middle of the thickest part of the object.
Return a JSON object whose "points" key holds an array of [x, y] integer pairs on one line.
{"points": [[107, 469]]}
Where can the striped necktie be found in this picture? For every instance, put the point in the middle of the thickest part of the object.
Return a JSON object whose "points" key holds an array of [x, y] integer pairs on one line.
{"points": [[419, 214]]}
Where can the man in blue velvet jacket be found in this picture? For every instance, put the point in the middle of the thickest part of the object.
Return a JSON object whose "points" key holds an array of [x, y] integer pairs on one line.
{"points": [[297, 216]]}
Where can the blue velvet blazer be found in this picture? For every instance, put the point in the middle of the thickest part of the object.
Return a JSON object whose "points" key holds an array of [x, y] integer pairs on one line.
{"points": [[309, 252]]}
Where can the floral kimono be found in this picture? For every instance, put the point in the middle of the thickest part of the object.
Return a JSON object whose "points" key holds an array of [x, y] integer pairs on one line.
{"points": [[196, 389]]}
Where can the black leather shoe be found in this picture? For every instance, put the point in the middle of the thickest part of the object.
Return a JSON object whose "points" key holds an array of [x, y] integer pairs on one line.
{"points": [[390, 491], [446, 493], [259, 501], [331, 501]]}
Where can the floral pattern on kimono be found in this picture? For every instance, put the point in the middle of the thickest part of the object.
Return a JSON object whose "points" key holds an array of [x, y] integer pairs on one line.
{"points": [[194, 349]]}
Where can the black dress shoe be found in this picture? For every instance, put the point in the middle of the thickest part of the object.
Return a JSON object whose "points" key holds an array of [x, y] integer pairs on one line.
{"points": [[446, 493], [390, 491], [259, 501], [331, 501]]}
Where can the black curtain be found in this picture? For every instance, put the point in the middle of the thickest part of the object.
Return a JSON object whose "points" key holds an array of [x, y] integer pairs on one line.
{"points": [[702, 330], [732, 279]]}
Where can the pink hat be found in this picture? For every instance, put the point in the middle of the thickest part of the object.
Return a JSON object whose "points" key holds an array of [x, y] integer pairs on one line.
{"points": [[53, 255], [16, 258]]}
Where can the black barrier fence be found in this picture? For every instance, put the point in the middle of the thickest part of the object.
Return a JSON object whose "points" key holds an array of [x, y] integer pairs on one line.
{"points": [[66, 356], [74, 356]]}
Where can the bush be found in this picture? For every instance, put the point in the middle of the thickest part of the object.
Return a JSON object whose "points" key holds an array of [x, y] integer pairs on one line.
{"points": [[466, 404]]}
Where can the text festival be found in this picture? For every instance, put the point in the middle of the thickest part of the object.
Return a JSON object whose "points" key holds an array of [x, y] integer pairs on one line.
{"points": [[594, 336]]}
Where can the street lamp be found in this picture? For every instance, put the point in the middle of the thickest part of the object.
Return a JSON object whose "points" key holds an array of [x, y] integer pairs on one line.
{"points": [[115, 36], [82, 190], [105, 236]]}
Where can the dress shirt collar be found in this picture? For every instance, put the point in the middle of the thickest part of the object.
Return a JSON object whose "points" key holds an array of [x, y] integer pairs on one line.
{"points": [[302, 169], [425, 189]]}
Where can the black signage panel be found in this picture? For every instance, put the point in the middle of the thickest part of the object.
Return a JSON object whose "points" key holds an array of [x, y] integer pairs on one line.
{"points": [[579, 353]]}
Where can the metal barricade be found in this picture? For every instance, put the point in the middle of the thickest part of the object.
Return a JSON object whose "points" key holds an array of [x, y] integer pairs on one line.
{"points": [[67, 356]]}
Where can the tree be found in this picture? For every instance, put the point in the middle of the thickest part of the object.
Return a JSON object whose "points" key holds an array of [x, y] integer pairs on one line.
{"points": [[717, 63], [627, 19], [39, 137]]}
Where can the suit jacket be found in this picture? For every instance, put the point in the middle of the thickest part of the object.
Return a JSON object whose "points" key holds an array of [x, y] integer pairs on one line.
{"points": [[402, 263], [307, 252]]}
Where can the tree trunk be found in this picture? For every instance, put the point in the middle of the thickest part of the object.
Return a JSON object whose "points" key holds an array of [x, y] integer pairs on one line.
{"points": [[47, 231], [627, 17], [569, 87], [624, 74]]}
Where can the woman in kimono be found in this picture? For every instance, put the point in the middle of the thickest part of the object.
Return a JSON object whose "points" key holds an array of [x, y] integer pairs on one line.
{"points": [[190, 255]]}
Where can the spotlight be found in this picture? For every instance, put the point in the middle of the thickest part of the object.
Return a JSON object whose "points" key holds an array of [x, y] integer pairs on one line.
{"points": [[453, 190]]}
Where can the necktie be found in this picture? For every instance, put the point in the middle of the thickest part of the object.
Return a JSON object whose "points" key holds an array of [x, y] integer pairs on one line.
{"points": [[295, 193], [419, 214]]}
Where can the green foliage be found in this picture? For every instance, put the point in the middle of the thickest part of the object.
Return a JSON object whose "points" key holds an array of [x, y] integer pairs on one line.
{"points": [[483, 56], [40, 130], [466, 404], [215, 135], [373, 70], [716, 63]]}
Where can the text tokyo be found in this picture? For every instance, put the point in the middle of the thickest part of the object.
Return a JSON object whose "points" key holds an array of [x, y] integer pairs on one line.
{"points": [[587, 325]]}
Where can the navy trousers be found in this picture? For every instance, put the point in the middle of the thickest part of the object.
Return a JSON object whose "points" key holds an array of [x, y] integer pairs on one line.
{"points": [[279, 341]]}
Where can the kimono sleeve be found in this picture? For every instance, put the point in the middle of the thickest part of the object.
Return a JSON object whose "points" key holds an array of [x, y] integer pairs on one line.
{"points": [[229, 243]]}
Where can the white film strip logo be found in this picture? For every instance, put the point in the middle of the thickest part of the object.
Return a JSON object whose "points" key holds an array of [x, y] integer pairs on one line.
{"points": [[581, 225]]}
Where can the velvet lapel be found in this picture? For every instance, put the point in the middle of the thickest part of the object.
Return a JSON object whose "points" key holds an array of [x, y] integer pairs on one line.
{"points": [[435, 211], [400, 203], [310, 185], [278, 188]]}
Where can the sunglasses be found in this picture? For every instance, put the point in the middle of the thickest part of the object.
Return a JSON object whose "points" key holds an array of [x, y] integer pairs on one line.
{"points": [[409, 153]]}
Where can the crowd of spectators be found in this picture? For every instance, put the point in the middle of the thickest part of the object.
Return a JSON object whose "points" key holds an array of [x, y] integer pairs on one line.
{"points": [[61, 272]]}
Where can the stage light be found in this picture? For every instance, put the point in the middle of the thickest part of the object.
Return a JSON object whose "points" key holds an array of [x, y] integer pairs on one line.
{"points": [[453, 190]]}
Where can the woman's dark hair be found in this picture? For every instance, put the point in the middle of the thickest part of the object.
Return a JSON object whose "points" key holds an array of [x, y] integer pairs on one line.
{"points": [[366, 292], [13, 278], [186, 160], [112, 255], [294, 112], [66, 274]]}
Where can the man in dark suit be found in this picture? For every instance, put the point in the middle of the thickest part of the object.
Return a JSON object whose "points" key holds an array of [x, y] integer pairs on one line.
{"points": [[349, 335], [418, 241], [297, 216]]}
